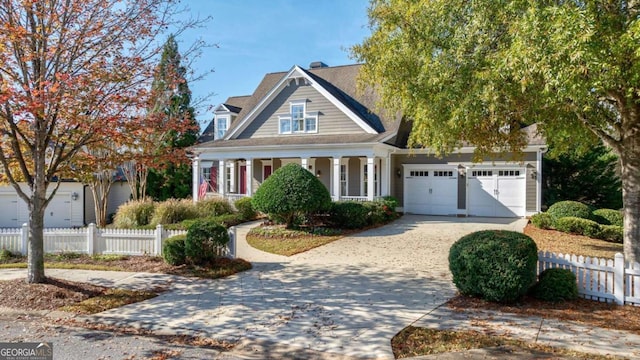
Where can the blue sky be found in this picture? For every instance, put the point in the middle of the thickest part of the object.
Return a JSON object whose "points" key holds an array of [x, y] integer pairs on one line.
{"points": [[256, 37]]}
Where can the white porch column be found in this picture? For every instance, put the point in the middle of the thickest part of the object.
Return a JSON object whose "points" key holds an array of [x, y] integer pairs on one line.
{"points": [[385, 175], [539, 181], [222, 175], [335, 179], [304, 162], [370, 178], [195, 177], [249, 176], [232, 176]]}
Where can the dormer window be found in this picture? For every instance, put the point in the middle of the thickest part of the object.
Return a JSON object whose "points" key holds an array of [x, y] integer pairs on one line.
{"points": [[298, 120], [221, 126]]}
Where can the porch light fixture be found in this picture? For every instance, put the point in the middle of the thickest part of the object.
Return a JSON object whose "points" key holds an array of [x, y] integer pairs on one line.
{"points": [[74, 196], [318, 173], [399, 172]]}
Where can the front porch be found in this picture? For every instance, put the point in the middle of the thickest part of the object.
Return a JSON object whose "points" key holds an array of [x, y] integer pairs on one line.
{"points": [[346, 177]]}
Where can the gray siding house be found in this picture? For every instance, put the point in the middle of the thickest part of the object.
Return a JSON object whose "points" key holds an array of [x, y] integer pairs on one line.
{"points": [[315, 118]]}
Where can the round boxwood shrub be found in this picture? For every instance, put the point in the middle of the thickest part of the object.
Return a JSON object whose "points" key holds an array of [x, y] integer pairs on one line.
{"points": [[496, 265], [569, 208], [542, 221], [203, 239], [291, 191], [173, 250], [611, 233], [348, 215], [609, 217], [575, 225], [245, 208], [556, 285]]}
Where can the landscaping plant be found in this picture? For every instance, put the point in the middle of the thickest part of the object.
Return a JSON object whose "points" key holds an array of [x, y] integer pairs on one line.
{"points": [[496, 265], [542, 221], [213, 207], [608, 217], [173, 211], [173, 250], [245, 208], [134, 214], [569, 208], [289, 192], [556, 285], [204, 237]]}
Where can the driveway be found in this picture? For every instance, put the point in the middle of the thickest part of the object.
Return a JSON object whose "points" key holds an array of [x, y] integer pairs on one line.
{"points": [[346, 299]]}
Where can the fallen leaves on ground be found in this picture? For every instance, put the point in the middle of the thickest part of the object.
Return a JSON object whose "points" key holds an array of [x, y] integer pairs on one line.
{"points": [[590, 312], [562, 243]]}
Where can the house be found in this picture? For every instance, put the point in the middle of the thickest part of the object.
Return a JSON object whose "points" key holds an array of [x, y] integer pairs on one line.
{"points": [[72, 206], [315, 117]]}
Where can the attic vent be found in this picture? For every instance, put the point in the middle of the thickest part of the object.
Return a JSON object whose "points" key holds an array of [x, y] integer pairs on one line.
{"points": [[317, 65]]}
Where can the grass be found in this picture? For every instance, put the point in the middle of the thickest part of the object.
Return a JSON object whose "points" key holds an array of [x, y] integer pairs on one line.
{"points": [[413, 341], [58, 265], [111, 299], [287, 242], [564, 243]]}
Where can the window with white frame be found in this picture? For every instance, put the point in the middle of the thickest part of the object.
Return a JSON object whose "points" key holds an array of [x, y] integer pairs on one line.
{"points": [[343, 180], [221, 125], [298, 120], [365, 180]]}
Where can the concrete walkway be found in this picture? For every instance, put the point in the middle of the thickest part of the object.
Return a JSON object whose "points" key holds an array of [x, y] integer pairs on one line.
{"points": [[343, 300]]}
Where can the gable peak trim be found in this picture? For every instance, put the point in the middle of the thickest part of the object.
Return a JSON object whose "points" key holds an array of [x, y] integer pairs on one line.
{"points": [[296, 73]]}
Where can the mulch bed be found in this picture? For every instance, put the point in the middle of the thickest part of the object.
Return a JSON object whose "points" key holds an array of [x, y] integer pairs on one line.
{"points": [[604, 315], [56, 293]]}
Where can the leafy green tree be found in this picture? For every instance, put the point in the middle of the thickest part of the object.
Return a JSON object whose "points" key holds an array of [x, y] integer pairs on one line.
{"points": [[291, 191], [476, 71], [589, 178], [171, 178]]}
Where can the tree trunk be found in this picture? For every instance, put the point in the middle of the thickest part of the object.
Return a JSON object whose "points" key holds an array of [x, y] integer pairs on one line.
{"points": [[35, 258], [630, 166]]}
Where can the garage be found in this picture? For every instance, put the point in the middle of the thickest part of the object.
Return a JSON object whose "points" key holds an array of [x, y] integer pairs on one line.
{"points": [[431, 190], [9, 206], [496, 192], [58, 212]]}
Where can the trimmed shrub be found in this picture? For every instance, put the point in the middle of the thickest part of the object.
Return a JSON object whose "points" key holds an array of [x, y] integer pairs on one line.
{"points": [[608, 217], [556, 285], [291, 191], [611, 233], [542, 221], [213, 207], [173, 211], [578, 226], [496, 265], [134, 214], [203, 239], [173, 250], [6, 255], [348, 215], [245, 208], [382, 210], [569, 208]]}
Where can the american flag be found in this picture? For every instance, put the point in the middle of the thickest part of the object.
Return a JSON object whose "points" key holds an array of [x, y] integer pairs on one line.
{"points": [[202, 189]]}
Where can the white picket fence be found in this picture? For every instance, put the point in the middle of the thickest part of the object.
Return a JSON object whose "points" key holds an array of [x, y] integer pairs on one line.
{"points": [[598, 279], [94, 240]]}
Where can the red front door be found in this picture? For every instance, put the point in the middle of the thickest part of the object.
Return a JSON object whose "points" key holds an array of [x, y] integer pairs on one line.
{"points": [[243, 179], [267, 172]]}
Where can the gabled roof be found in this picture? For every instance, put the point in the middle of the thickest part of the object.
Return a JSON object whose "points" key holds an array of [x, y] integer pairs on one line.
{"points": [[233, 104], [325, 89]]}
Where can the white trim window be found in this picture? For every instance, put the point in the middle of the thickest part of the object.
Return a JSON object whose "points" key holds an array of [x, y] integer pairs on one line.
{"points": [[298, 121], [221, 126]]}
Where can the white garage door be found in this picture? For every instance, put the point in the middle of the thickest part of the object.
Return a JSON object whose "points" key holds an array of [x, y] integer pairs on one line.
{"points": [[431, 192], [9, 208], [496, 192], [58, 212]]}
